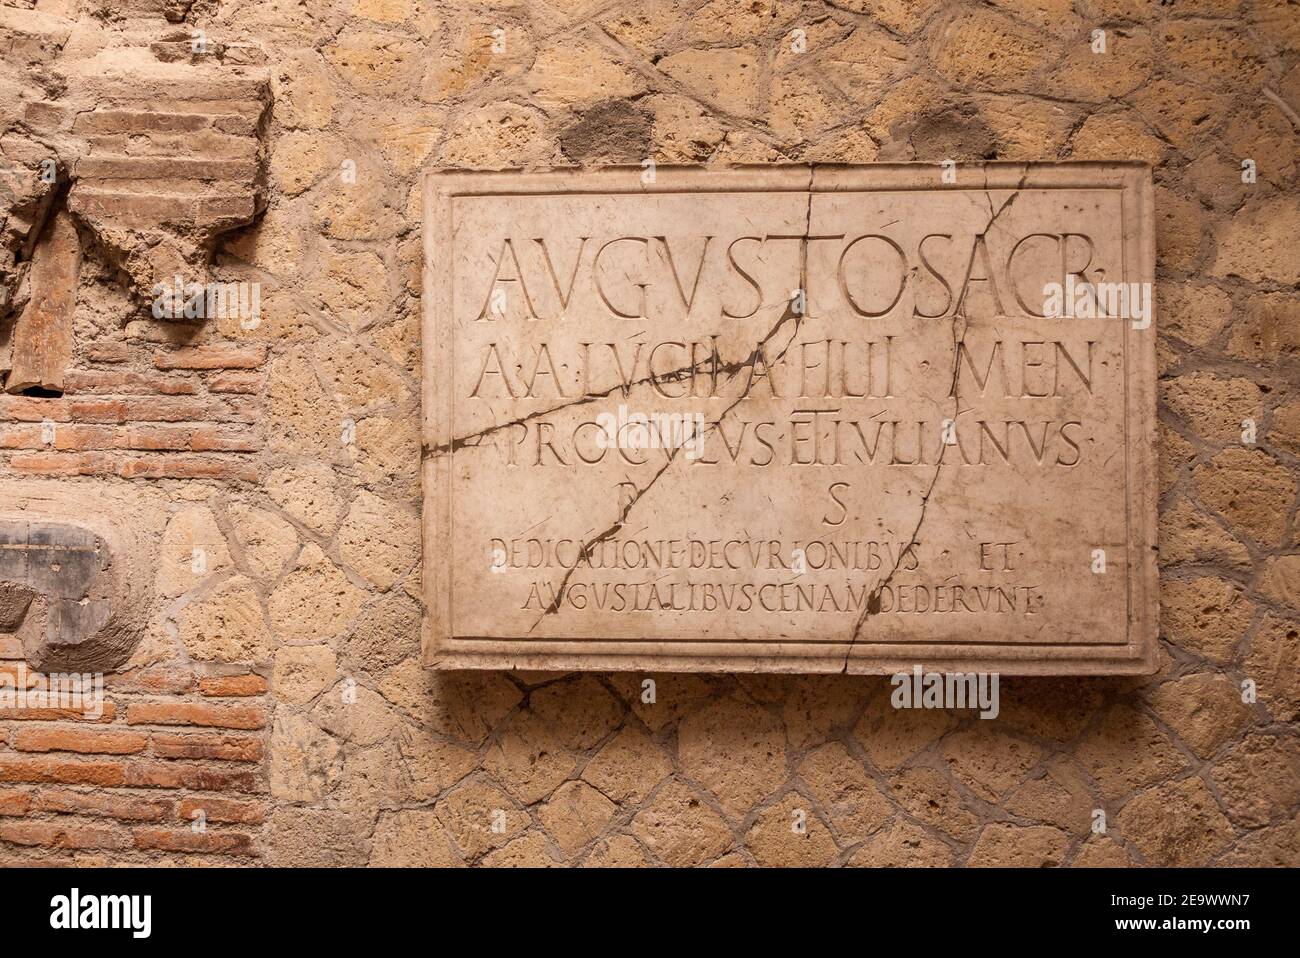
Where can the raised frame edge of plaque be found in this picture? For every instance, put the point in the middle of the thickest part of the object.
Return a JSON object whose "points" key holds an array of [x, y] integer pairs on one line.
{"points": [[1135, 179]]}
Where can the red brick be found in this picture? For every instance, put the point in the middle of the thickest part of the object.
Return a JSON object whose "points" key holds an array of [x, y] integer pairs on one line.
{"points": [[199, 778], [155, 678], [65, 464], [191, 713], [84, 437], [21, 437], [211, 357], [188, 467], [247, 409], [204, 143], [153, 438], [97, 410], [203, 438], [232, 685], [157, 466], [127, 807], [124, 382], [235, 382], [158, 438], [238, 125], [223, 810], [109, 353], [164, 168], [38, 690], [48, 768], [58, 835], [117, 142], [188, 840], [30, 409], [109, 711], [15, 801], [13, 671], [214, 209], [33, 677], [184, 409], [197, 94], [139, 210], [130, 121], [73, 739], [234, 748], [45, 860], [224, 439], [42, 115], [39, 348]]}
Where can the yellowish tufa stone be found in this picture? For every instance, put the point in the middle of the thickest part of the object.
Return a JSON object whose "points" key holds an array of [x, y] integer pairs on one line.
{"points": [[679, 829], [308, 494], [302, 672], [193, 551], [226, 625], [305, 762], [379, 539], [315, 601], [575, 815], [789, 834], [412, 838], [903, 845], [727, 78]]}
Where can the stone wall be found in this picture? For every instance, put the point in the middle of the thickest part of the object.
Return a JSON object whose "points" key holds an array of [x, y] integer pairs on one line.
{"points": [[265, 473]]}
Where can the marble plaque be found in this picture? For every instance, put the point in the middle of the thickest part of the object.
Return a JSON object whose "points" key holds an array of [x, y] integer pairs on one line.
{"points": [[791, 419]]}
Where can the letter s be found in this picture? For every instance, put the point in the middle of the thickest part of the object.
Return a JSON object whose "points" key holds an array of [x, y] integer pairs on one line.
{"points": [[844, 512]]}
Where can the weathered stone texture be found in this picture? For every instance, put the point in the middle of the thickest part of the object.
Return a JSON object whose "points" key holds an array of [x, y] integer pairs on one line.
{"points": [[278, 689]]}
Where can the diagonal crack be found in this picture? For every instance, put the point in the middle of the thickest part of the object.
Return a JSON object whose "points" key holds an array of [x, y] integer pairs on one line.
{"points": [[474, 439], [959, 321], [791, 312], [1282, 105]]}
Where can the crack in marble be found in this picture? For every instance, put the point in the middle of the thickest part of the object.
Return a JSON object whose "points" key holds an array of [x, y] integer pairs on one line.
{"points": [[872, 604], [474, 440], [789, 313]]}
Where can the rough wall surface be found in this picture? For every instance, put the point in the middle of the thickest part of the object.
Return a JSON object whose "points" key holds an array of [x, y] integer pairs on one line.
{"points": [[269, 469]]}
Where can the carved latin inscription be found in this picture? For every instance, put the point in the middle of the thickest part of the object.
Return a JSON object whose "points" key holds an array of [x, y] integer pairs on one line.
{"points": [[791, 420]]}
